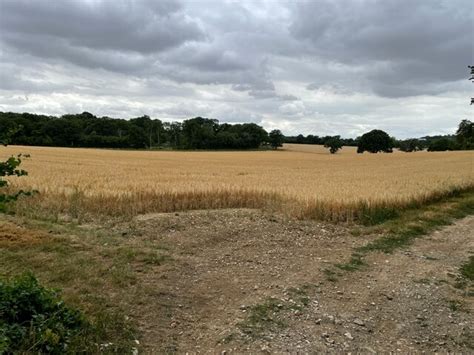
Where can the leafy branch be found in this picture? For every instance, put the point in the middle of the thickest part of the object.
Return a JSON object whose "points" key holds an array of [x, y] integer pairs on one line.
{"points": [[10, 167]]}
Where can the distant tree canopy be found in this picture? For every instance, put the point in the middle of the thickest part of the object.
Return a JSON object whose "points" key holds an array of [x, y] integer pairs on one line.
{"points": [[311, 139], [334, 144], [87, 130], [276, 138], [375, 141], [441, 145], [465, 134], [410, 145], [463, 140]]}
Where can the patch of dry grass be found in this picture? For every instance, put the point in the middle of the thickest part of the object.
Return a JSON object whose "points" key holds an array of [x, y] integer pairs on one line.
{"points": [[303, 181]]}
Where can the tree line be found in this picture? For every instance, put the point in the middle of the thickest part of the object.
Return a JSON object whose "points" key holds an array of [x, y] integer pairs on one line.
{"points": [[87, 130], [379, 141]]}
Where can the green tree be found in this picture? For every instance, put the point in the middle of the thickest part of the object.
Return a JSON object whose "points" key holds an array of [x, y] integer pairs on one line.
{"points": [[199, 132], [137, 137], [334, 144], [276, 138], [375, 141], [465, 134], [441, 145], [410, 145]]}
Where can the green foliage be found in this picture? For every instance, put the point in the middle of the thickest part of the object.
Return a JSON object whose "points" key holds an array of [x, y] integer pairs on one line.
{"points": [[87, 130], [35, 319], [465, 135], [312, 139], [334, 144], [441, 145], [276, 138], [410, 145], [463, 140], [375, 141], [10, 168]]}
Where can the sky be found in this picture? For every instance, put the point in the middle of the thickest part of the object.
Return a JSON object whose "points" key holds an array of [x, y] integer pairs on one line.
{"points": [[321, 67]]}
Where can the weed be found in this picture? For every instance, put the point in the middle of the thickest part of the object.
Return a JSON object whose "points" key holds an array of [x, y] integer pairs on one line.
{"points": [[266, 317], [467, 269], [330, 275], [455, 305], [354, 263], [262, 317]]}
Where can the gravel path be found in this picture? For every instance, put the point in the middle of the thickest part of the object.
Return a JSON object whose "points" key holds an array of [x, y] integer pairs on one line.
{"points": [[227, 262]]}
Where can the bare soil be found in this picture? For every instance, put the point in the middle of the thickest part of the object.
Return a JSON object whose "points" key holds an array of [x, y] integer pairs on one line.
{"points": [[233, 281], [226, 263]]}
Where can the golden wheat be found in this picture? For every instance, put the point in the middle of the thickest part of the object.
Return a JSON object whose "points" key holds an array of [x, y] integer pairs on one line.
{"points": [[303, 180]]}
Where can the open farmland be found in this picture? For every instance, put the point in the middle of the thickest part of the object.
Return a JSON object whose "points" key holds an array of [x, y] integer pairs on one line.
{"points": [[303, 181], [250, 259]]}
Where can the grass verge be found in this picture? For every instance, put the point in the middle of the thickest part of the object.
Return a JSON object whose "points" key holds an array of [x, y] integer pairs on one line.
{"points": [[98, 271], [412, 224]]}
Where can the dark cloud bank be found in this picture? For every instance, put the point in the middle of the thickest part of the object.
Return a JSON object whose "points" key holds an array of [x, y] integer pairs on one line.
{"points": [[318, 67]]}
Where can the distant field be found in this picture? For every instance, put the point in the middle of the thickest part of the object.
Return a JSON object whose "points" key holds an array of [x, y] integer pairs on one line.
{"points": [[302, 180]]}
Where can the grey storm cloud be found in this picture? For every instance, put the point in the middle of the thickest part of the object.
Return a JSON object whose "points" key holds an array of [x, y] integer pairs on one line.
{"points": [[279, 63], [142, 26], [403, 43]]}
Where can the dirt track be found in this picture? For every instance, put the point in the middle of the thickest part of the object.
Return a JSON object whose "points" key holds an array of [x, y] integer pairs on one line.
{"points": [[226, 262]]}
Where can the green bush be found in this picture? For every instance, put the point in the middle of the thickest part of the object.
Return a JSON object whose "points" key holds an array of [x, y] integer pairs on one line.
{"points": [[35, 319]]}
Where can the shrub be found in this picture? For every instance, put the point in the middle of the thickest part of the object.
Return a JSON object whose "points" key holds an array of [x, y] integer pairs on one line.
{"points": [[34, 318]]}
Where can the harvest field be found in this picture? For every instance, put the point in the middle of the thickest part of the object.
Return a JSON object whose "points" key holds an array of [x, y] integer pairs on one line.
{"points": [[225, 279], [301, 180]]}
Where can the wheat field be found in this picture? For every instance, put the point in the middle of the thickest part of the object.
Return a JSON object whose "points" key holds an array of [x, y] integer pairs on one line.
{"points": [[302, 180]]}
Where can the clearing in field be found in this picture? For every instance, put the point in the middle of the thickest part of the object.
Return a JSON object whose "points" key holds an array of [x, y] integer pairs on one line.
{"points": [[301, 180]]}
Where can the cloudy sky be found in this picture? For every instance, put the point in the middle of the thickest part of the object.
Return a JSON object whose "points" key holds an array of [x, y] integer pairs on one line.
{"points": [[312, 67]]}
